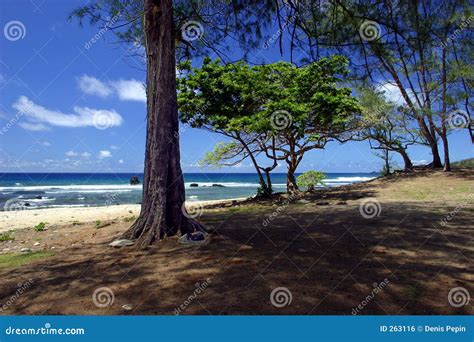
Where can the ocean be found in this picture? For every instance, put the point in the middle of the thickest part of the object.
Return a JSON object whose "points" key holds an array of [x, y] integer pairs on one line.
{"points": [[53, 190]]}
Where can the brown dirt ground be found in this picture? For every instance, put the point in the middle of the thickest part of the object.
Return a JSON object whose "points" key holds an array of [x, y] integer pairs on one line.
{"points": [[327, 255]]}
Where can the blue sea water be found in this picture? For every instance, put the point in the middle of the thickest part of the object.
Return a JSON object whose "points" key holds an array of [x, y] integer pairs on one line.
{"points": [[43, 190]]}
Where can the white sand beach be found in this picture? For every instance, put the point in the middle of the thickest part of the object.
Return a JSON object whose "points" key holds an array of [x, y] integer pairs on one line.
{"points": [[11, 220]]}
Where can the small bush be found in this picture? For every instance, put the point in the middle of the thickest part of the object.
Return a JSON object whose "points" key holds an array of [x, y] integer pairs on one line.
{"points": [[310, 179], [6, 237], [97, 223], [40, 226]]}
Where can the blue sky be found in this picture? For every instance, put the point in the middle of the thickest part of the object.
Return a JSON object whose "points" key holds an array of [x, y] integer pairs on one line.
{"points": [[66, 77]]}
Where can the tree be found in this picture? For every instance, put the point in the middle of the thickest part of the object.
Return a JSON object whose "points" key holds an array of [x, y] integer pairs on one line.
{"points": [[411, 46], [157, 25], [285, 110], [386, 125], [310, 179]]}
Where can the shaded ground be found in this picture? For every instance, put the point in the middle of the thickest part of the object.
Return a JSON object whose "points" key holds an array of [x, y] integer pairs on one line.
{"points": [[320, 248]]}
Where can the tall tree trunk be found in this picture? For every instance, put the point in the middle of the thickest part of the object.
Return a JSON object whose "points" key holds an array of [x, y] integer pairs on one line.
{"points": [[387, 162], [447, 162], [162, 212]]}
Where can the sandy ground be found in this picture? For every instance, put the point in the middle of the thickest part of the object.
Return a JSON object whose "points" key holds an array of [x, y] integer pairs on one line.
{"points": [[10, 220], [318, 252]]}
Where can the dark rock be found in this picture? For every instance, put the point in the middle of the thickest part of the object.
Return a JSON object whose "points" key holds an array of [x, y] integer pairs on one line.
{"points": [[134, 180], [322, 203], [27, 204], [193, 185], [218, 185], [38, 197]]}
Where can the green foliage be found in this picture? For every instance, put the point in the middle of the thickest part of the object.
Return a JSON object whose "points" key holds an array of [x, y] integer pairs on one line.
{"points": [[235, 98], [465, 163], [6, 237], [40, 227], [129, 218], [220, 154], [98, 223], [13, 260], [310, 179]]}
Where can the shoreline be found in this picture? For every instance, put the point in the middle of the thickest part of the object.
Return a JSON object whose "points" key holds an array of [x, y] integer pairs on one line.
{"points": [[21, 219]]}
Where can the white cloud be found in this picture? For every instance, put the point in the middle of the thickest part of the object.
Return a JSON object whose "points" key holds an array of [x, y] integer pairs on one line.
{"points": [[92, 86], [130, 90], [113, 147], [121, 161], [71, 154], [104, 154], [35, 127], [85, 154], [126, 90], [41, 117], [46, 143], [393, 94]]}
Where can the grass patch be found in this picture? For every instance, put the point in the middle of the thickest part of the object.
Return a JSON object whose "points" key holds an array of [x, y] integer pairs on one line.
{"points": [[13, 260], [77, 223], [40, 227], [6, 237], [129, 219]]}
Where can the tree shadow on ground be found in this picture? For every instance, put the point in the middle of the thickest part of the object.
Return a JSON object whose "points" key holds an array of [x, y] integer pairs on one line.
{"points": [[327, 257]]}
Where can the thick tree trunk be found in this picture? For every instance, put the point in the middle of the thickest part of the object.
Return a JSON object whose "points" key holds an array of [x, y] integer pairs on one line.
{"points": [[291, 185], [406, 159], [162, 212]]}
